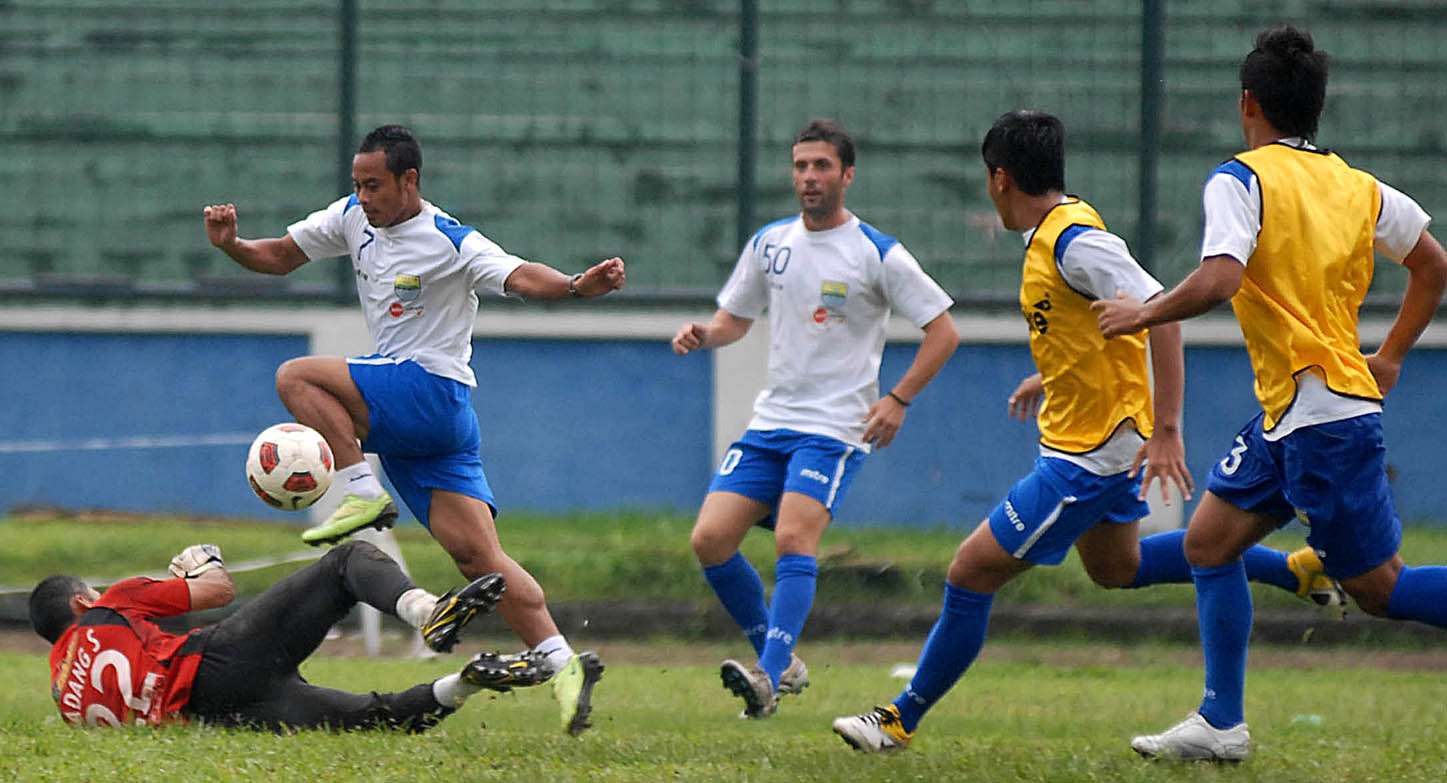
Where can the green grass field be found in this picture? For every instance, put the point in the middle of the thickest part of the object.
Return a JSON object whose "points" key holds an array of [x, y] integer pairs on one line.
{"points": [[1030, 711], [1024, 713]]}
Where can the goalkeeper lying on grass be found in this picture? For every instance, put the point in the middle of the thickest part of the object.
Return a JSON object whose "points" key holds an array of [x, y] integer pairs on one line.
{"points": [[111, 665]]}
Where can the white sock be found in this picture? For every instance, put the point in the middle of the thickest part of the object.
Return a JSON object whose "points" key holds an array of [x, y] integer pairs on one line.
{"points": [[556, 652], [452, 690], [415, 606], [358, 480]]}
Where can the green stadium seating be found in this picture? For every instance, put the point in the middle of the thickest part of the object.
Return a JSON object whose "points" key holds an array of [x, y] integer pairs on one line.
{"points": [[569, 130]]}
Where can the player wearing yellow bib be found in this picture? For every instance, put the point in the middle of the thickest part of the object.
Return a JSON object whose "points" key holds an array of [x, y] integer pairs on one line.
{"points": [[1098, 424], [1290, 232]]}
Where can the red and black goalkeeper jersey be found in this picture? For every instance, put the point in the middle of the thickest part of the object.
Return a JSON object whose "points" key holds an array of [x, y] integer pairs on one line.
{"points": [[114, 666]]}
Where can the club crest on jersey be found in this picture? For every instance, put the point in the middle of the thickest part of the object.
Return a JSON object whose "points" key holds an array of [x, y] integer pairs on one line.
{"points": [[407, 287], [832, 295]]}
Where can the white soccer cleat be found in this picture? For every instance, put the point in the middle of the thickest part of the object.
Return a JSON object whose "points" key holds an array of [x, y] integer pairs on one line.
{"points": [[876, 731], [1193, 739]]}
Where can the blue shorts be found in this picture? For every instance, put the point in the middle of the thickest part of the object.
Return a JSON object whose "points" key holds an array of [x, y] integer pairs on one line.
{"points": [[764, 464], [1058, 501], [424, 430], [1334, 473]]}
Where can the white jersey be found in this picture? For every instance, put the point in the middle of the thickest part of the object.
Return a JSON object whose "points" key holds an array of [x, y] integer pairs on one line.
{"points": [[829, 295], [1098, 265], [1232, 203], [417, 280]]}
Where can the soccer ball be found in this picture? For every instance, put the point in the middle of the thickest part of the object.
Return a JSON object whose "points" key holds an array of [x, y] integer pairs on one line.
{"points": [[289, 466]]}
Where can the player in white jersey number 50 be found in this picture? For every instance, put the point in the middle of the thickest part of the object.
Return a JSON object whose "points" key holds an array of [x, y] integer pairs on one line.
{"points": [[829, 282], [418, 272]]}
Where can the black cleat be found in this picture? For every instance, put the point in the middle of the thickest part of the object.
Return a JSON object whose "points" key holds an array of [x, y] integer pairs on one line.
{"points": [[499, 672], [457, 607]]}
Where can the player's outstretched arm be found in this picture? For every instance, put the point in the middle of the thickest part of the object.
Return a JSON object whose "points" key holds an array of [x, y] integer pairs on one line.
{"points": [[540, 281], [886, 416], [724, 328], [1164, 452], [1213, 283], [277, 256], [1426, 279]]}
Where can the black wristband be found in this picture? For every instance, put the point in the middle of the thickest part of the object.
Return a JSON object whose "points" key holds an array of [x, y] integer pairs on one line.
{"points": [[573, 285], [898, 399]]}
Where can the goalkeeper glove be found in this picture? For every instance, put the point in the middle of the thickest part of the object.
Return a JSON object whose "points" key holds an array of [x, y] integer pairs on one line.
{"points": [[196, 560]]}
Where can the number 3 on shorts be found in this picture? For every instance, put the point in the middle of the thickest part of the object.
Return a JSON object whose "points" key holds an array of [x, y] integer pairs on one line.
{"points": [[1232, 461], [730, 461]]}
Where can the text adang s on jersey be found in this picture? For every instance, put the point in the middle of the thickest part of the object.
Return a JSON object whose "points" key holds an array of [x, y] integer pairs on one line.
{"points": [[115, 667]]}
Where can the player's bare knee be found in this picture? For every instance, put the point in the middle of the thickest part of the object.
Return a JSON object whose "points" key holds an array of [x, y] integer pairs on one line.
{"points": [[290, 378], [711, 545], [1203, 553], [474, 561], [794, 543]]}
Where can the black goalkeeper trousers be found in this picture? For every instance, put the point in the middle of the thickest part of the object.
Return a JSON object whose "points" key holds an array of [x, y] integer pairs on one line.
{"points": [[248, 673]]}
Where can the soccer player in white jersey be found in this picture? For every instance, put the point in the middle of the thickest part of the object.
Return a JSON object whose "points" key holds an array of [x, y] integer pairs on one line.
{"points": [[829, 282], [418, 271], [1290, 235], [1098, 424]]}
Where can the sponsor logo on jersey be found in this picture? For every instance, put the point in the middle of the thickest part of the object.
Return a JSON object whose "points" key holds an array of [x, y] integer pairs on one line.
{"points": [[810, 473], [395, 309], [1014, 517], [832, 295], [407, 287]]}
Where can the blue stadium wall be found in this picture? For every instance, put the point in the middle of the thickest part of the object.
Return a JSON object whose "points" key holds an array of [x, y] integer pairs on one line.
{"points": [[160, 422]]}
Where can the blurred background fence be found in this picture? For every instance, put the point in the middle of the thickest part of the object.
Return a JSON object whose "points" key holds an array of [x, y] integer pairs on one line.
{"points": [[569, 130]]}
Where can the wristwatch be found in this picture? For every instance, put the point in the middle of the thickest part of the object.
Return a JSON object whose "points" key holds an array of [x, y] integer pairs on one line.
{"points": [[573, 285]]}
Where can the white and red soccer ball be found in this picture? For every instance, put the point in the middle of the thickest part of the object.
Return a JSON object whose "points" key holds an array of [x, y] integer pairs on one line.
{"points": [[289, 466]]}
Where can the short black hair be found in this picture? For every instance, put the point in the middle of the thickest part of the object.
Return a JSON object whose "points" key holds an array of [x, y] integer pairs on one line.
{"points": [[821, 129], [1030, 145], [1288, 77], [403, 150], [50, 612]]}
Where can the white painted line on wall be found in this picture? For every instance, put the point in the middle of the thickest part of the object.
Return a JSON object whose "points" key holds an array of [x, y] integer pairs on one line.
{"points": [[134, 442]]}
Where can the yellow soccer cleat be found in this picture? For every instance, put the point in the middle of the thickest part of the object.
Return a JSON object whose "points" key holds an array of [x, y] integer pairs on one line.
{"points": [[352, 515], [1314, 585]]}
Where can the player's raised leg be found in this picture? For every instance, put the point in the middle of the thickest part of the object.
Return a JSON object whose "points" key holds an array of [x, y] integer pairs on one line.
{"points": [[320, 393], [1115, 556]]}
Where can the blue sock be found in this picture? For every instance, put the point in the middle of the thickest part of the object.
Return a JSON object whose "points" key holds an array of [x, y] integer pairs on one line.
{"points": [[794, 580], [1421, 595], [1268, 566], [1163, 560], [950, 649], [741, 591], [1223, 609]]}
